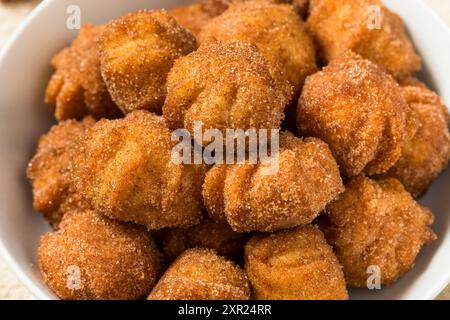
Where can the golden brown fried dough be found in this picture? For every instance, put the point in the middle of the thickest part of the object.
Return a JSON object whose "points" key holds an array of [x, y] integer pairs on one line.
{"points": [[411, 82], [93, 257], [194, 16], [428, 152], [340, 25], [225, 86], [359, 111], [295, 264], [249, 199], [49, 170], [137, 52], [77, 89], [125, 170], [201, 274], [207, 234], [277, 31], [376, 223]]}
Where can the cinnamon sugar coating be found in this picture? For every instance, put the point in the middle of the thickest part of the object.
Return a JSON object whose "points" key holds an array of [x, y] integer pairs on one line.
{"points": [[340, 25], [50, 170], [427, 153], [248, 199], [376, 223], [277, 31], [225, 86], [77, 89], [137, 52], [295, 264], [93, 257], [201, 274], [208, 234], [359, 111], [124, 170]]}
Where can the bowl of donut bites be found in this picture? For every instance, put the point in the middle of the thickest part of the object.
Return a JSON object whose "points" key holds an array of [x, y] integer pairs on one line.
{"points": [[227, 150]]}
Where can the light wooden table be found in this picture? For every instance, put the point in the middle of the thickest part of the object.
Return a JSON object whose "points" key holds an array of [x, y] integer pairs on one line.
{"points": [[10, 17]]}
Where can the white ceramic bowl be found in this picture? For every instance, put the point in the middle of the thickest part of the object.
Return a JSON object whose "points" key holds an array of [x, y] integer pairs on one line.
{"points": [[25, 70]]}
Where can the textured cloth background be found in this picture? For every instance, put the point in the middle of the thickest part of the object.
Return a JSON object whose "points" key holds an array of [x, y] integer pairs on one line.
{"points": [[10, 17]]}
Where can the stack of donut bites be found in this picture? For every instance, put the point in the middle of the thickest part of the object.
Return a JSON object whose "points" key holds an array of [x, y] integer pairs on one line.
{"points": [[361, 138]]}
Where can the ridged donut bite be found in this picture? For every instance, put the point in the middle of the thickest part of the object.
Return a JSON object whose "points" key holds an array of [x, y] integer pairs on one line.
{"points": [[225, 86], [124, 169], [295, 264], [276, 29], [366, 27], [427, 153], [376, 223], [248, 198], [201, 274], [137, 52], [77, 89], [94, 258], [50, 170], [361, 113]]}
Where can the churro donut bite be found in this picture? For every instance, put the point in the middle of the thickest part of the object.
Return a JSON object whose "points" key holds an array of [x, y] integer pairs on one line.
{"points": [[376, 223], [93, 257], [124, 169], [207, 234], [359, 111], [77, 89], [49, 170], [225, 86], [428, 152], [137, 52], [295, 264], [201, 274], [250, 197], [194, 16], [277, 31], [366, 27]]}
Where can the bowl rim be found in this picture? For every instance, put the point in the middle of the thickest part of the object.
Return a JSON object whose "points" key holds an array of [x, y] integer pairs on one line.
{"points": [[436, 289], [431, 293], [4, 251]]}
